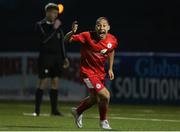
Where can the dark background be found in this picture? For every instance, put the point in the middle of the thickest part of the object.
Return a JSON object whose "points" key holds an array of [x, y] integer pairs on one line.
{"points": [[139, 25]]}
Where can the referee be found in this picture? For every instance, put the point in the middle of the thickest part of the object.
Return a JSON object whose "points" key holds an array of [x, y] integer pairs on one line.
{"points": [[52, 57]]}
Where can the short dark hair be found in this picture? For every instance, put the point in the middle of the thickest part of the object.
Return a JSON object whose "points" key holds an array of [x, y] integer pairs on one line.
{"points": [[51, 6], [102, 18]]}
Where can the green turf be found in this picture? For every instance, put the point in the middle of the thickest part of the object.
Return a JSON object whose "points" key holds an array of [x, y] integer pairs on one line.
{"points": [[121, 117]]}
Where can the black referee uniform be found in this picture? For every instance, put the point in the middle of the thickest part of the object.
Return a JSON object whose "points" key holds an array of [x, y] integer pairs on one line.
{"points": [[50, 61], [52, 49]]}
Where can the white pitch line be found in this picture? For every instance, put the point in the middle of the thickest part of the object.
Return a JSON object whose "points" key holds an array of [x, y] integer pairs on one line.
{"points": [[114, 118], [144, 119], [135, 119], [31, 114]]}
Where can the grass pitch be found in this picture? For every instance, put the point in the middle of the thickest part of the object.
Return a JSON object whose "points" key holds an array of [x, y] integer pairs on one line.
{"points": [[16, 116]]}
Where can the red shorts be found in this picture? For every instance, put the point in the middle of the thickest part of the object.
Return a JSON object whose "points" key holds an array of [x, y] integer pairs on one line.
{"points": [[93, 83]]}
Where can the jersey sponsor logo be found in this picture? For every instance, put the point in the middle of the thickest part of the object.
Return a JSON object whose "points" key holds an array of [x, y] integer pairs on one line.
{"points": [[103, 51], [88, 83], [109, 45]]}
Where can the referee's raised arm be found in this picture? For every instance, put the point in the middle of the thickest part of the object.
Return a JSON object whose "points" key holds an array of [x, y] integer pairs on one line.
{"points": [[45, 36], [68, 36]]}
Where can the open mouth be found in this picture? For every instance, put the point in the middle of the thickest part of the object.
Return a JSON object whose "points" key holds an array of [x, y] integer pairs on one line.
{"points": [[101, 33]]}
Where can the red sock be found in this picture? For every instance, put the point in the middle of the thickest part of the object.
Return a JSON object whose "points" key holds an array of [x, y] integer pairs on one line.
{"points": [[103, 109], [84, 105]]}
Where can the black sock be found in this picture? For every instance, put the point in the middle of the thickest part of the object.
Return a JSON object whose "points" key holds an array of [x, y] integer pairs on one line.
{"points": [[54, 100], [38, 100]]}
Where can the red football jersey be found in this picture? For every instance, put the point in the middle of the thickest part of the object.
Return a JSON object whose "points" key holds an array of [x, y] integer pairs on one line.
{"points": [[94, 53]]}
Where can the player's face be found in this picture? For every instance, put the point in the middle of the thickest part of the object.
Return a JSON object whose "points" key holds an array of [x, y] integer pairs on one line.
{"points": [[52, 15], [102, 27]]}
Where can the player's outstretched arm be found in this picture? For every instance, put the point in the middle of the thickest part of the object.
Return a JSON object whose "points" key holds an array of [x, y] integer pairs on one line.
{"points": [[68, 36], [111, 61]]}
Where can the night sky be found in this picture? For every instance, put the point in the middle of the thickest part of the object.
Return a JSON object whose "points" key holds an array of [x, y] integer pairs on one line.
{"points": [[139, 25]]}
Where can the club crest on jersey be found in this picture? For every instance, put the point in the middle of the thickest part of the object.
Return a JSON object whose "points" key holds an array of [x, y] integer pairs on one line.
{"points": [[98, 86], [109, 45], [103, 51]]}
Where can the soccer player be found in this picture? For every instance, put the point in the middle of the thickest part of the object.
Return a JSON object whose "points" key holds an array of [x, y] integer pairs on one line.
{"points": [[97, 47], [52, 57]]}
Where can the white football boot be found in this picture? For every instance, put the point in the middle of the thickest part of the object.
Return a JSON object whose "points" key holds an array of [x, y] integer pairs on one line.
{"points": [[77, 118], [105, 124]]}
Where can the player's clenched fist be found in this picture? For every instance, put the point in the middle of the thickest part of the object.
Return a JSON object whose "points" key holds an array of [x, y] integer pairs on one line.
{"points": [[74, 26]]}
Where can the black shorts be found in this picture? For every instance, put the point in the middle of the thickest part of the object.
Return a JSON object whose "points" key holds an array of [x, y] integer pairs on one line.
{"points": [[49, 65]]}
